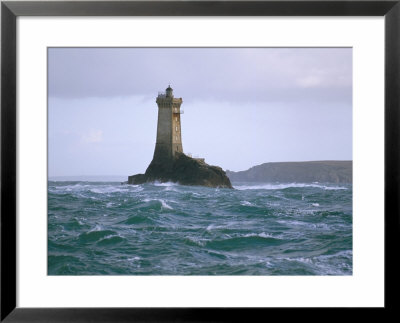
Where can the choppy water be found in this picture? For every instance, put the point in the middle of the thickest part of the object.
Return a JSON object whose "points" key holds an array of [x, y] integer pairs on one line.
{"points": [[167, 229]]}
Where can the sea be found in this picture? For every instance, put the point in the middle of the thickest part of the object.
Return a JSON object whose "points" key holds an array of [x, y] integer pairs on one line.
{"points": [[108, 228]]}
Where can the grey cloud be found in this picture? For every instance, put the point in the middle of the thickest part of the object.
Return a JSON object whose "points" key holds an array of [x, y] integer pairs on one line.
{"points": [[222, 74]]}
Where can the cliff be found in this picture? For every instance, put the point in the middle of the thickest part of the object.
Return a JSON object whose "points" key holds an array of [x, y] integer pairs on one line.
{"points": [[300, 172], [184, 170]]}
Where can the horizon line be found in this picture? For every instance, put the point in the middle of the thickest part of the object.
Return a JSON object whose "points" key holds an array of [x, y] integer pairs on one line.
{"points": [[124, 175]]}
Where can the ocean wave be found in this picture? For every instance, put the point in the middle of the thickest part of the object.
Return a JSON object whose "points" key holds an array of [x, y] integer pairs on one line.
{"points": [[334, 255], [111, 239], [247, 241], [323, 262], [161, 201], [133, 259], [335, 188], [212, 226], [165, 205], [201, 242], [112, 204], [294, 223], [170, 188], [72, 187], [199, 231], [107, 190], [93, 236], [138, 219], [260, 235], [97, 227], [78, 221], [136, 188], [78, 189]]}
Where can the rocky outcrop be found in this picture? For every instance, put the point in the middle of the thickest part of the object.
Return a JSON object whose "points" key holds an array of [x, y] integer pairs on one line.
{"points": [[184, 170], [328, 171]]}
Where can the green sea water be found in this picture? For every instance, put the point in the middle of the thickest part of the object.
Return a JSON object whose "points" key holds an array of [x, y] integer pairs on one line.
{"points": [[105, 228]]}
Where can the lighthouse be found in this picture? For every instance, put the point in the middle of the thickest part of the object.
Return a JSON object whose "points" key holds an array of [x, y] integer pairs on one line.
{"points": [[169, 137], [169, 163]]}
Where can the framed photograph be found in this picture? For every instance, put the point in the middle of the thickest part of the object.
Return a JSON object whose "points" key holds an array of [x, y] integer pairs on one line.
{"points": [[182, 160]]}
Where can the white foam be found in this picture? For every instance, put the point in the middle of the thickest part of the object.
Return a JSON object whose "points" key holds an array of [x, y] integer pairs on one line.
{"points": [[164, 184], [261, 235], [342, 253], [295, 223], [170, 188], [265, 235], [136, 189], [246, 203], [165, 205], [322, 261], [71, 186], [134, 259], [98, 227], [199, 241], [107, 189], [109, 236], [79, 221], [322, 226], [335, 188], [98, 189], [301, 259], [211, 226]]}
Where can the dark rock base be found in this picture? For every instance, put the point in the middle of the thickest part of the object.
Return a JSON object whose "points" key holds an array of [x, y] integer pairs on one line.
{"points": [[184, 170]]}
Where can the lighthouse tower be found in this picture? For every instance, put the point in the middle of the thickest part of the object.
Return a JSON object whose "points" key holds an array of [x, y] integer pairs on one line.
{"points": [[169, 139], [169, 164]]}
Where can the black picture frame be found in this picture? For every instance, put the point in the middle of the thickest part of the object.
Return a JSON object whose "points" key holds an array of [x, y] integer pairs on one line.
{"points": [[10, 10]]}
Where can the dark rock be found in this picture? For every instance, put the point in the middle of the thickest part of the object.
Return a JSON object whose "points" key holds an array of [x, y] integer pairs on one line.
{"points": [[184, 170]]}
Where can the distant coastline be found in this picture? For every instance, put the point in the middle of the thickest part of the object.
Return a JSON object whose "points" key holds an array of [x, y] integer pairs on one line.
{"points": [[326, 171]]}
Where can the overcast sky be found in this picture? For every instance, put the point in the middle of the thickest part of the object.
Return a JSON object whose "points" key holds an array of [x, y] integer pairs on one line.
{"points": [[242, 106]]}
